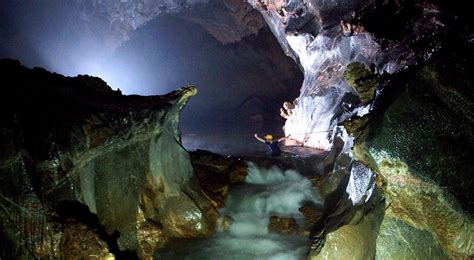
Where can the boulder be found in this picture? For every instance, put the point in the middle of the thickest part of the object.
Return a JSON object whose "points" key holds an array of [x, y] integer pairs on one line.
{"points": [[398, 240], [353, 241], [216, 173], [285, 226], [312, 214], [80, 241]]}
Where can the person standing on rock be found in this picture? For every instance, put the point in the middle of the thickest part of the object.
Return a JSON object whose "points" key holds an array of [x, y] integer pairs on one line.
{"points": [[272, 145]]}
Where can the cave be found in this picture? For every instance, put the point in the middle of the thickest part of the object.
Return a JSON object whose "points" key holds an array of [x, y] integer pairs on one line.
{"points": [[226, 129]]}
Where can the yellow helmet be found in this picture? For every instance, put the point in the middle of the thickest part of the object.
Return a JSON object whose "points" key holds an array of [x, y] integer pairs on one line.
{"points": [[269, 136]]}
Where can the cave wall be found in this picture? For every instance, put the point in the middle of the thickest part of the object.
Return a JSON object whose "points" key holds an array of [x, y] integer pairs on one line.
{"points": [[74, 140], [326, 36], [396, 75], [419, 139], [422, 206]]}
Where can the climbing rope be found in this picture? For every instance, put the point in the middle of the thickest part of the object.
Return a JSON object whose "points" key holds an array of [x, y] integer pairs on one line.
{"points": [[312, 132], [315, 132]]}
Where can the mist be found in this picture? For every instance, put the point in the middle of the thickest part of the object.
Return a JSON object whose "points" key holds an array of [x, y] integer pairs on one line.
{"points": [[241, 85], [48, 34]]}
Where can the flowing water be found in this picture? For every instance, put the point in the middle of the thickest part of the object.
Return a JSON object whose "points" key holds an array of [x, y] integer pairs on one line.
{"points": [[265, 193]]}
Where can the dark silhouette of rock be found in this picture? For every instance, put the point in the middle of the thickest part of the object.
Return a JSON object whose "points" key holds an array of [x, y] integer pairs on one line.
{"points": [[75, 139]]}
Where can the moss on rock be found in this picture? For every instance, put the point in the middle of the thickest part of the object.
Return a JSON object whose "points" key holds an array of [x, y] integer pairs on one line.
{"points": [[399, 240], [357, 126], [419, 138], [425, 206], [362, 81]]}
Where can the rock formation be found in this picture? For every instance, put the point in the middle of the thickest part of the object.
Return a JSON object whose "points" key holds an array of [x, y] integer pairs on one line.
{"points": [[216, 173], [74, 149], [311, 33], [426, 206], [379, 68], [425, 177]]}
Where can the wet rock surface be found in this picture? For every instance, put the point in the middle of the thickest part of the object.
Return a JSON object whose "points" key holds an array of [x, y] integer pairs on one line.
{"points": [[74, 139], [397, 239], [352, 241], [328, 39], [434, 144], [406, 140], [79, 241], [423, 206], [216, 173], [362, 81], [285, 226], [411, 131], [390, 89], [312, 214], [182, 218]]}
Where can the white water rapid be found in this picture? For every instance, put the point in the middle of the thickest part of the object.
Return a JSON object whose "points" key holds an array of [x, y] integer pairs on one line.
{"points": [[265, 193]]}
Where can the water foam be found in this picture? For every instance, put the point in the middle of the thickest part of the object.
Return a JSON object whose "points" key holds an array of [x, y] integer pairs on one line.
{"points": [[271, 191], [266, 192]]}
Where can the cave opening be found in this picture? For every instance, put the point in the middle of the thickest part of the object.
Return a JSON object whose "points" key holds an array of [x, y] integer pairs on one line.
{"points": [[230, 54], [241, 85]]}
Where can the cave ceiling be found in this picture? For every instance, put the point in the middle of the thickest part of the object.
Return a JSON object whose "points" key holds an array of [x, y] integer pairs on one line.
{"points": [[114, 21]]}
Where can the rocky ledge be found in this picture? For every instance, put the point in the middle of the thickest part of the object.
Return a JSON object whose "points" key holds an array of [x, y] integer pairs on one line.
{"points": [[82, 166]]}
